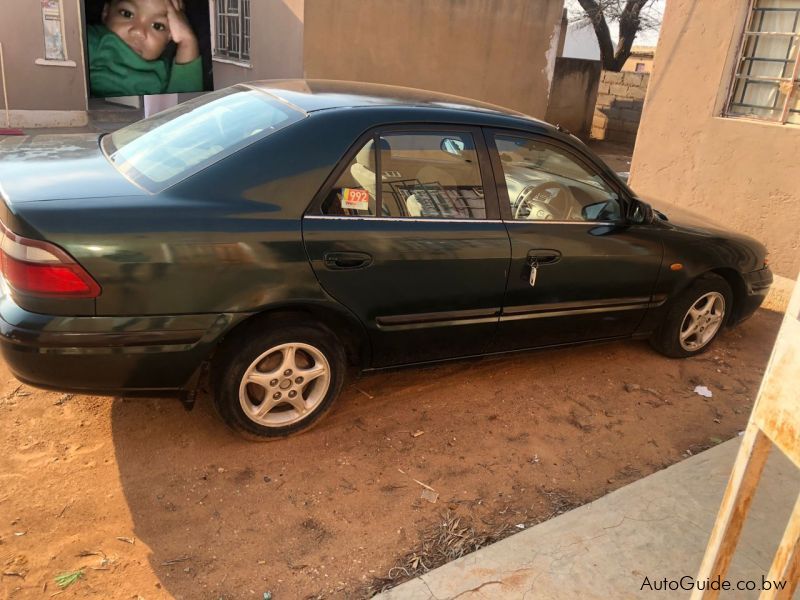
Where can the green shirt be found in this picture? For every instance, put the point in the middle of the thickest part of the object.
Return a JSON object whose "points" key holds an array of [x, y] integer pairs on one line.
{"points": [[116, 70]]}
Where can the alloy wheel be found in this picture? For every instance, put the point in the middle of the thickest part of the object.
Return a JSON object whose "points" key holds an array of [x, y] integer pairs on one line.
{"points": [[284, 385], [702, 321]]}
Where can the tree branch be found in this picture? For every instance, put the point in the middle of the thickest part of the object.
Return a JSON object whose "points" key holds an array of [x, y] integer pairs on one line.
{"points": [[629, 26]]}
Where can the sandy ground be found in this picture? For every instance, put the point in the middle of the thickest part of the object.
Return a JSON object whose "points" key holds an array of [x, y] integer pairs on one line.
{"points": [[154, 502]]}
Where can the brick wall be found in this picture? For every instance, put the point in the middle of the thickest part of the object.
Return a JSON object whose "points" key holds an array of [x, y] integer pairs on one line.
{"points": [[620, 97]]}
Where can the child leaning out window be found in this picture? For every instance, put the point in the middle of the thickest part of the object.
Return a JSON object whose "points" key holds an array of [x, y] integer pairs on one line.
{"points": [[126, 50]]}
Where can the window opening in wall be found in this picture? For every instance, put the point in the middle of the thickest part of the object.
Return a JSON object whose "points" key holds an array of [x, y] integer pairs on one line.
{"points": [[232, 36], [765, 84]]}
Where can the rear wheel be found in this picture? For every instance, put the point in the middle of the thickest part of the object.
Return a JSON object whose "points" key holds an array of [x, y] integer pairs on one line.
{"points": [[695, 319], [279, 380]]}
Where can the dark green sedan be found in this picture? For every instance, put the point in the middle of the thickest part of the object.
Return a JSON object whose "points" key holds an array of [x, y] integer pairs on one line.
{"points": [[282, 232]]}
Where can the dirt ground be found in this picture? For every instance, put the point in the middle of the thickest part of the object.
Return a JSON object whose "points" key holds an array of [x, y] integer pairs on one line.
{"points": [[154, 502]]}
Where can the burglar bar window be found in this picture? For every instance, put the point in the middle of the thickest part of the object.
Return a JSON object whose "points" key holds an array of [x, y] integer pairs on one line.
{"points": [[766, 82], [232, 29]]}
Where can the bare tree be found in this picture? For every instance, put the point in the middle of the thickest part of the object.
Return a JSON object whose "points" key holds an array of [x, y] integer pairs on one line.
{"points": [[632, 19]]}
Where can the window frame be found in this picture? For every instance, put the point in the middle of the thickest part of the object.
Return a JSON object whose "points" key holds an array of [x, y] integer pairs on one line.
{"points": [[794, 91], [215, 50], [625, 199], [484, 167]]}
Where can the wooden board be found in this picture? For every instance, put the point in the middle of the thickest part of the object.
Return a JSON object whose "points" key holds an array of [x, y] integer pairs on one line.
{"points": [[777, 409]]}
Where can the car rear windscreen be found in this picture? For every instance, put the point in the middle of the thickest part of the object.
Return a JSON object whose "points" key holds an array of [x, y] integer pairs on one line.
{"points": [[165, 148]]}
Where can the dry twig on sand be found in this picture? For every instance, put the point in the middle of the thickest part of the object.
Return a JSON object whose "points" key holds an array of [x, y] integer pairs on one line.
{"points": [[452, 538]]}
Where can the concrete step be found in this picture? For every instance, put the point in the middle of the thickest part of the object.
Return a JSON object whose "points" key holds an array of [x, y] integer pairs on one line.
{"points": [[103, 112]]}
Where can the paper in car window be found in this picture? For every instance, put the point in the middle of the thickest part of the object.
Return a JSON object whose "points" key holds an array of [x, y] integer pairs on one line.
{"points": [[355, 199]]}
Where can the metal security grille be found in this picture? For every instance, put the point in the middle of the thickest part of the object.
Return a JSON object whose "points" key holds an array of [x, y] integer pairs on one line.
{"points": [[766, 82], [233, 29]]}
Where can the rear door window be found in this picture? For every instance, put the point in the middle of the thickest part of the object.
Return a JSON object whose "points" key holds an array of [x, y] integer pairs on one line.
{"points": [[422, 174]]}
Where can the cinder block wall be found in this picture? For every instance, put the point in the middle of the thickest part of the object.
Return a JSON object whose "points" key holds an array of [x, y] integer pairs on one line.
{"points": [[620, 97]]}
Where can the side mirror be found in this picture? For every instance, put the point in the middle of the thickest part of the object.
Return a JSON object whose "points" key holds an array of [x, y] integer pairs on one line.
{"points": [[641, 212]]}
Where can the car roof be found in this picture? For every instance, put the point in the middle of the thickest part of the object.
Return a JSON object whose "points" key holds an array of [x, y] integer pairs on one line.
{"points": [[310, 95]]}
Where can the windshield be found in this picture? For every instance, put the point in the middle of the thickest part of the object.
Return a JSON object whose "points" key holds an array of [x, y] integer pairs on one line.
{"points": [[171, 145]]}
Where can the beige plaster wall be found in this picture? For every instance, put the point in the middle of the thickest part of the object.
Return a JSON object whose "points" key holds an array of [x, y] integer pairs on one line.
{"points": [[741, 173], [643, 55], [499, 51], [276, 45], [33, 87]]}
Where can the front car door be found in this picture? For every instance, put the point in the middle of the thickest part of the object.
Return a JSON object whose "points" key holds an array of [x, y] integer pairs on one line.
{"points": [[579, 269], [406, 236]]}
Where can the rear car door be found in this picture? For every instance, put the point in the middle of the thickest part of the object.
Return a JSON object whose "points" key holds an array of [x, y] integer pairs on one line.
{"points": [[406, 236], [580, 270]]}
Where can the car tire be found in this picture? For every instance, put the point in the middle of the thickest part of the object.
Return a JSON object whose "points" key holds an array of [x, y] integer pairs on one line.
{"points": [[695, 318], [298, 369]]}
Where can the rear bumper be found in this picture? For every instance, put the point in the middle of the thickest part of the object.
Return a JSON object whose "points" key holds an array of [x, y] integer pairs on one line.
{"points": [[757, 284], [108, 355]]}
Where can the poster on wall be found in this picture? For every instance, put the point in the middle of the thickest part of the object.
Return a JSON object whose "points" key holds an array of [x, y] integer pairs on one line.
{"points": [[147, 47], [53, 31]]}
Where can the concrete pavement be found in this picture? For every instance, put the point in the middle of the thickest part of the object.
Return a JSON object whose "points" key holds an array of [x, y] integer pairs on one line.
{"points": [[655, 528]]}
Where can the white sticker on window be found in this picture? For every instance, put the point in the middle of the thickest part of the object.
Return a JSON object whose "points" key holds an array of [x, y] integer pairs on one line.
{"points": [[355, 199]]}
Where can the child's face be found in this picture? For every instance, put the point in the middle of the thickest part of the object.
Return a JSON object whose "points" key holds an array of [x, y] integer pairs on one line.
{"points": [[142, 24]]}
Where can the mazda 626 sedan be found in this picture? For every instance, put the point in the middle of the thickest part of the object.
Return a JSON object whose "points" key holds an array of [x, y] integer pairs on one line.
{"points": [[283, 232]]}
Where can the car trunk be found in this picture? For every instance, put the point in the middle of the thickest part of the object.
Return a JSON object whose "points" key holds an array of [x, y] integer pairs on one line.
{"points": [[47, 173], [58, 167]]}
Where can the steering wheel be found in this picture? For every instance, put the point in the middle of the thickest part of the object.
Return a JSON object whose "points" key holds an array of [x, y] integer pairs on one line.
{"points": [[543, 206]]}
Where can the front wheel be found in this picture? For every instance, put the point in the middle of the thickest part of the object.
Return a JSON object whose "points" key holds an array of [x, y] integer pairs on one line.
{"points": [[695, 319], [275, 382]]}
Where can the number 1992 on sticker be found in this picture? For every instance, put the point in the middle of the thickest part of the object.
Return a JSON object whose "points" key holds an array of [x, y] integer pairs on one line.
{"points": [[355, 199]]}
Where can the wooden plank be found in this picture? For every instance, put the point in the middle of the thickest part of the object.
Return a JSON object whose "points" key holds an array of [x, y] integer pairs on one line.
{"points": [[750, 461], [786, 564], [777, 409]]}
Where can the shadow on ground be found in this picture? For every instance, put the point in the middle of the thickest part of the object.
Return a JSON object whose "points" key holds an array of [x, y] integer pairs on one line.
{"points": [[502, 440]]}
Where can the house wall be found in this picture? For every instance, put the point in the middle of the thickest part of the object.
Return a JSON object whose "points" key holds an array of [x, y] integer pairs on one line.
{"points": [[743, 172], [31, 86], [573, 95], [644, 57], [276, 44], [620, 97], [498, 51]]}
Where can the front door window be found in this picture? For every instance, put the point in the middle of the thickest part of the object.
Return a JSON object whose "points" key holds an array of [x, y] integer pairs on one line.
{"points": [[545, 183]]}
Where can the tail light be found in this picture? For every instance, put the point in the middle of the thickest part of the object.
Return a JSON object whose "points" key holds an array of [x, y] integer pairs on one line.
{"points": [[42, 269]]}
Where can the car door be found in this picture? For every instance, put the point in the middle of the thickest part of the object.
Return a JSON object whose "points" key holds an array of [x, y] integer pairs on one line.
{"points": [[406, 236], [580, 270]]}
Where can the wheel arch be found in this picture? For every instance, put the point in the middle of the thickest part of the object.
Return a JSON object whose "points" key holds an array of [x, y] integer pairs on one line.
{"points": [[731, 276], [346, 327], [738, 287]]}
